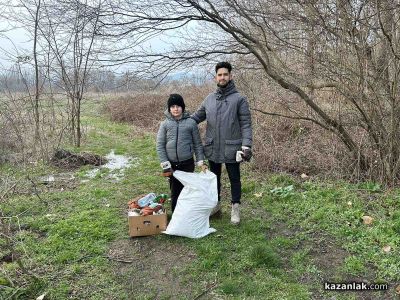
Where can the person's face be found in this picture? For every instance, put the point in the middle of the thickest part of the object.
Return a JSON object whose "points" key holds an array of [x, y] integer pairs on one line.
{"points": [[223, 77], [176, 111]]}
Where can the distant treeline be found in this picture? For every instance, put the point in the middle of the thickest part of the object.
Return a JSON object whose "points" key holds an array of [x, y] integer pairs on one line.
{"points": [[18, 79]]}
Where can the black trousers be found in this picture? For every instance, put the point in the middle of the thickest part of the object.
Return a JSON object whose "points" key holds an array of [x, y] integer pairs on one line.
{"points": [[233, 170], [174, 184]]}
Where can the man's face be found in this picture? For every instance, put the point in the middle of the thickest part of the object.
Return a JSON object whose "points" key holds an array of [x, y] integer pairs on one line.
{"points": [[223, 77]]}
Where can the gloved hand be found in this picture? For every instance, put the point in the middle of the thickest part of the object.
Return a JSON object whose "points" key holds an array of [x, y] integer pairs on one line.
{"points": [[239, 156], [202, 165], [244, 155], [247, 154], [167, 168]]}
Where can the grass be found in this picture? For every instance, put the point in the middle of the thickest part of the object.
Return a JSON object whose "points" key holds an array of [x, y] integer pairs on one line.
{"points": [[294, 235]]}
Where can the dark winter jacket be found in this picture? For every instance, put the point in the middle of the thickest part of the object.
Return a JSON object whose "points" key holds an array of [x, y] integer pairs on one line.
{"points": [[177, 140], [228, 124]]}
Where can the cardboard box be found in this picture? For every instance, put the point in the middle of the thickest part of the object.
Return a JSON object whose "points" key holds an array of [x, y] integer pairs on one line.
{"points": [[147, 225]]}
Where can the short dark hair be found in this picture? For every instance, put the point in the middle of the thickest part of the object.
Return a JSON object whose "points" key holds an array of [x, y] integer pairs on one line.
{"points": [[223, 64]]}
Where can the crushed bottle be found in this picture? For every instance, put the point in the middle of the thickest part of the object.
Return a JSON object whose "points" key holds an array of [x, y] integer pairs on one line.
{"points": [[147, 200]]}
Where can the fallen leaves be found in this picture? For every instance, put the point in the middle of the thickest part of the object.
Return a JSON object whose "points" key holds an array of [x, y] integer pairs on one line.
{"points": [[386, 249], [304, 176], [258, 195], [367, 220], [398, 290]]}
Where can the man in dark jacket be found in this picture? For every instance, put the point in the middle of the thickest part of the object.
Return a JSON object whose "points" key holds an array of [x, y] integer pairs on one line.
{"points": [[228, 133]]}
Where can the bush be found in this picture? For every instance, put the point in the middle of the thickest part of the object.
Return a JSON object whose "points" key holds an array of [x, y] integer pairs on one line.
{"points": [[146, 110]]}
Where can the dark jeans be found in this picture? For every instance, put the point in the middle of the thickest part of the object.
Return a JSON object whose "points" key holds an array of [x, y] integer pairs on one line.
{"points": [[234, 178], [174, 184]]}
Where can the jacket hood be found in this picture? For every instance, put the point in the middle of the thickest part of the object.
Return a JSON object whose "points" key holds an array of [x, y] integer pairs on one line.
{"points": [[168, 115], [229, 89]]}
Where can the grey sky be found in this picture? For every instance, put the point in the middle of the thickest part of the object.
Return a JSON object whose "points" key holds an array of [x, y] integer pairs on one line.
{"points": [[13, 43]]}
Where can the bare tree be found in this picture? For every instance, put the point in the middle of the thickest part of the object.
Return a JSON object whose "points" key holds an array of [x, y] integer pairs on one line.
{"points": [[349, 49], [69, 29], [36, 65], [61, 55], [65, 38]]}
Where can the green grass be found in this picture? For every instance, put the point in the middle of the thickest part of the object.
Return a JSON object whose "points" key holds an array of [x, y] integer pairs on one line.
{"points": [[63, 238]]}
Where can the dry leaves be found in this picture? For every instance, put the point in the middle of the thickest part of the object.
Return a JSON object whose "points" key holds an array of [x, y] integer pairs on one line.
{"points": [[386, 249], [258, 195], [304, 176], [398, 290], [367, 220]]}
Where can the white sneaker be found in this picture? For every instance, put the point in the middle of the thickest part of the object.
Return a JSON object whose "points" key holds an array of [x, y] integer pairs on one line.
{"points": [[216, 209], [235, 214]]}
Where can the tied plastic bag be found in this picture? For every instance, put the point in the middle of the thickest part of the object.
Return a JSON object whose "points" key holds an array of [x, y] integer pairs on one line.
{"points": [[195, 203]]}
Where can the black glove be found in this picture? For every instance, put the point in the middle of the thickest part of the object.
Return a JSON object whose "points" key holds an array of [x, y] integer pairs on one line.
{"points": [[247, 154]]}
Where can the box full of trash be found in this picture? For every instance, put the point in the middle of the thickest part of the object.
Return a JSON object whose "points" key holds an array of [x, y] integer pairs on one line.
{"points": [[147, 215]]}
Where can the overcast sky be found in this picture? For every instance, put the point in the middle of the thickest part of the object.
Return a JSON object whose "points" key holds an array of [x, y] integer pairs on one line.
{"points": [[18, 42], [12, 44]]}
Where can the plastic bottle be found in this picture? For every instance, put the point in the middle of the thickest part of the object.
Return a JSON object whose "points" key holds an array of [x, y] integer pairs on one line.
{"points": [[146, 200], [153, 205]]}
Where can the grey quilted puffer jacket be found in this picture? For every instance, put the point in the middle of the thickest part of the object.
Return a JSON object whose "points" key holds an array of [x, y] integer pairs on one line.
{"points": [[228, 124], [177, 140]]}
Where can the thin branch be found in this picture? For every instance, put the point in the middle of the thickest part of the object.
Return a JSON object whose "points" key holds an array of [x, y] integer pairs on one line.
{"points": [[293, 117]]}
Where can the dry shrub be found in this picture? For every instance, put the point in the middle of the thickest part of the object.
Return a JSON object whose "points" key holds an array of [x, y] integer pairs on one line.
{"points": [[297, 147], [8, 142], [18, 142], [146, 110], [142, 110], [288, 144], [16, 130]]}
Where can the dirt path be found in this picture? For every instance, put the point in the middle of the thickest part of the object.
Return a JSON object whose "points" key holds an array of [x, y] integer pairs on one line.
{"points": [[150, 267]]}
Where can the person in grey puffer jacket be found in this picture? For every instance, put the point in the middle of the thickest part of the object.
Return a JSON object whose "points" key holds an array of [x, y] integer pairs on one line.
{"points": [[178, 139], [229, 133]]}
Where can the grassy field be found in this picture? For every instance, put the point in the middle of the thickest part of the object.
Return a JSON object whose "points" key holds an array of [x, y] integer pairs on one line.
{"points": [[68, 239]]}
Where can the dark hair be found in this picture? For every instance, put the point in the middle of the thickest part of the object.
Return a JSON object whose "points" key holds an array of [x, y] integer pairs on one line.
{"points": [[223, 64]]}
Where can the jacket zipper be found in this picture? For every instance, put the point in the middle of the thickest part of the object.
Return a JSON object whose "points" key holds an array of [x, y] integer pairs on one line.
{"points": [[219, 131], [177, 135]]}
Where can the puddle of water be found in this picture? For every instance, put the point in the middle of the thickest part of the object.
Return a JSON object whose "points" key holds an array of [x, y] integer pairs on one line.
{"points": [[61, 177], [116, 164], [92, 173], [117, 161], [49, 178]]}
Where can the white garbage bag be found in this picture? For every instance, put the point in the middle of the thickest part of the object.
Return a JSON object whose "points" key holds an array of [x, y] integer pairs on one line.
{"points": [[195, 203]]}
